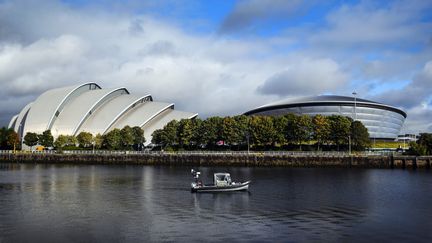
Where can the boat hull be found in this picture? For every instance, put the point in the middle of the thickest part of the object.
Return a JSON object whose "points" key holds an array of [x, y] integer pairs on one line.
{"points": [[237, 187]]}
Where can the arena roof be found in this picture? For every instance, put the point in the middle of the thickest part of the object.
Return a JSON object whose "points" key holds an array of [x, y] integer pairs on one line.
{"points": [[323, 100]]}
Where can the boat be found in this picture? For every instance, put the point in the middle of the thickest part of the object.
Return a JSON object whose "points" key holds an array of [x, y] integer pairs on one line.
{"points": [[221, 183]]}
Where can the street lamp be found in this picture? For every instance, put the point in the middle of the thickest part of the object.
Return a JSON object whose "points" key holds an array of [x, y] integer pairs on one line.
{"points": [[355, 105], [349, 144]]}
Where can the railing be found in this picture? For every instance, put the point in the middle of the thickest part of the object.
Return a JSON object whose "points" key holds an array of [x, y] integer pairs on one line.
{"points": [[259, 153]]}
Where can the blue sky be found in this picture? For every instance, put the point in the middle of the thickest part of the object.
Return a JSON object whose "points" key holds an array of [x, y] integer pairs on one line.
{"points": [[221, 57]]}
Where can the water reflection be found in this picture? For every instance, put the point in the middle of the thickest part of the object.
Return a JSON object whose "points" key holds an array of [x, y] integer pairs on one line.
{"points": [[67, 203]]}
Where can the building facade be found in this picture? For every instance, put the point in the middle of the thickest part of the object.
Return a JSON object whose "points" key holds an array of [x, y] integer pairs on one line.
{"points": [[87, 107], [382, 121]]}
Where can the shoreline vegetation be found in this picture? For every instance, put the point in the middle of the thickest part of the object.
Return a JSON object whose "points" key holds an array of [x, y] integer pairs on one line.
{"points": [[252, 159], [252, 133]]}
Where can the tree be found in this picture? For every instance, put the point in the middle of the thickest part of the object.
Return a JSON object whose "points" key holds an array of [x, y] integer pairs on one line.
{"points": [[321, 129], [262, 130], [169, 134], [98, 141], [229, 135], [289, 128], [65, 141], [417, 149], [340, 129], [85, 139], [211, 129], [185, 132], [241, 129], [60, 142], [425, 140], [31, 139], [127, 137], [302, 129], [112, 140], [359, 136], [138, 137], [12, 138], [46, 139], [279, 124]]}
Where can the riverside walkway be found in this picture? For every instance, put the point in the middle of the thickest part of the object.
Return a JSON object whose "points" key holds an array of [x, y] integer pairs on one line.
{"points": [[223, 158]]}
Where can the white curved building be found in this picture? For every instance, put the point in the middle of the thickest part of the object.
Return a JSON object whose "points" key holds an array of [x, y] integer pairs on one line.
{"points": [[382, 121], [88, 107]]}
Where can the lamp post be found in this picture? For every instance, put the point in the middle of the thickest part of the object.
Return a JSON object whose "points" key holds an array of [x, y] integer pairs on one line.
{"points": [[355, 105], [349, 144]]}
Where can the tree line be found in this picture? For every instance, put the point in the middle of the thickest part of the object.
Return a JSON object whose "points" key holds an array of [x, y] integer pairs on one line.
{"points": [[264, 132], [423, 146], [127, 138]]}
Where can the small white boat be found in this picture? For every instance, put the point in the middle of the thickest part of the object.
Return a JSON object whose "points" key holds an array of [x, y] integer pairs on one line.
{"points": [[221, 183]]}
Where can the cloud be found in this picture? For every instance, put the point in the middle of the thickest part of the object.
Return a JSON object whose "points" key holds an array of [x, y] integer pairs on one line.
{"points": [[369, 25], [248, 12], [415, 93], [306, 77]]}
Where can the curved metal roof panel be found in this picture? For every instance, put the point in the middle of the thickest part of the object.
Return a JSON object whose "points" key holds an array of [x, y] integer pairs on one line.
{"points": [[48, 106], [141, 114], [12, 121], [77, 110], [21, 116], [108, 113], [162, 119]]}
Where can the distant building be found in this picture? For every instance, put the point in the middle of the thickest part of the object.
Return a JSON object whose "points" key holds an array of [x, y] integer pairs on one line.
{"points": [[382, 121], [407, 138], [88, 107]]}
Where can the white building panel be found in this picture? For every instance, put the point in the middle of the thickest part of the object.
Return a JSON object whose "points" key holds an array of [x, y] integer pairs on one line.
{"points": [[12, 122], [141, 114], [50, 104], [77, 110], [109, 112]]}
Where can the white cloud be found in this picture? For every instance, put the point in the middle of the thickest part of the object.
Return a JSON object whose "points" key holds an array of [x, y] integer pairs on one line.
{"points": [[305, 77]]}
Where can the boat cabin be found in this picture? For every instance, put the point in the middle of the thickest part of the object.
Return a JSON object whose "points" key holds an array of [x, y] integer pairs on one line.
{"points": [[222, 179]]}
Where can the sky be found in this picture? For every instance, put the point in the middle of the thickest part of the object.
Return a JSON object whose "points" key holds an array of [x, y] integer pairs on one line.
{"points": [[221, 57]]}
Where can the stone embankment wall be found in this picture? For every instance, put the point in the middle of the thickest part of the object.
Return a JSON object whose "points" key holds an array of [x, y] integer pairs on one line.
{"points": [[214, 159]]}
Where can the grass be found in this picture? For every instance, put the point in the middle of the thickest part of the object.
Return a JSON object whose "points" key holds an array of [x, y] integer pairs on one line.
{"points": [[388, 144]]}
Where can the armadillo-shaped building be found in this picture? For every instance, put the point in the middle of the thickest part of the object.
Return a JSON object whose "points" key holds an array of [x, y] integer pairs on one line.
{"points": [[88, 107]]}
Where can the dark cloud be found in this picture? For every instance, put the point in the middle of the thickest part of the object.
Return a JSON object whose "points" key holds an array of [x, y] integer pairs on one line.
{"points": [[249, 12]]}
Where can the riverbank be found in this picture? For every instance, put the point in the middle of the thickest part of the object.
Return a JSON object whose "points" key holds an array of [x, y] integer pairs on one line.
{"points": [[227, 159]]}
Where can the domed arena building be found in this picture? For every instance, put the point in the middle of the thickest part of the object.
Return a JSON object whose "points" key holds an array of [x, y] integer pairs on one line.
{"points": [[382, 121], [88, 107]]}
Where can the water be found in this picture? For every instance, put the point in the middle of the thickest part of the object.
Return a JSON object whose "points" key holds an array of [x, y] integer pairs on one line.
{"points": [[71, 203]]}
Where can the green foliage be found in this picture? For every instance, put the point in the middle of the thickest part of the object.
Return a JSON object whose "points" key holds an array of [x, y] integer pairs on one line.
{"points": [[302, 130], [63, 141], [112, 140], [138, 135], [340, 129], [359, 136], [31, 139], [321, 129], [262, 130], [46, 139], [126, 137], [8, 138], [185, 132], [98, 141], [280, 124], [417, 149], [425, 140], [85, 139]]}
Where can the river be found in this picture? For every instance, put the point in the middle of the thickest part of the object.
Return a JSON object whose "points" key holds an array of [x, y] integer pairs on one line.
{"points": [[100, 203]]}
